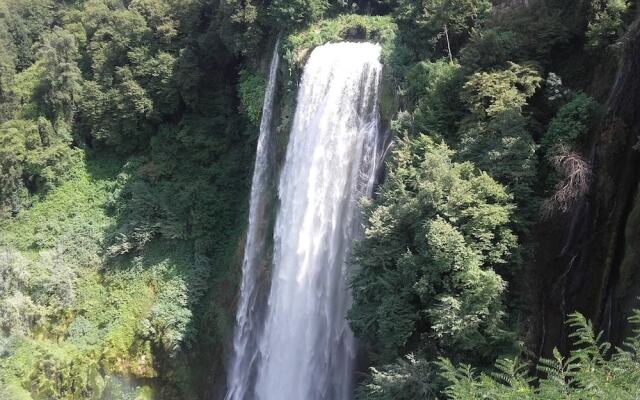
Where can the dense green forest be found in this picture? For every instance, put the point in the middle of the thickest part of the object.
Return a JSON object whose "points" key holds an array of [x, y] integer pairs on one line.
{"points": [[501, 240]]}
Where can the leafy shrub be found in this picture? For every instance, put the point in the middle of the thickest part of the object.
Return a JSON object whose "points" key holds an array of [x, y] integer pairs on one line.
{"points": [[425, 278], [251, 88], [568, 175], [607, 22], [569, 125], [297, 46], [434, 88], [433, 27], [495, 136], [408, 379], [592, 371], [491, 93], [490, 48], [19, 314], [504, 148], [297, 12], [32, 159]]}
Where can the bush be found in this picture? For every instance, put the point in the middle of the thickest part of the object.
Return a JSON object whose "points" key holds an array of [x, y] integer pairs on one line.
{"points": [[408, 379], [607, 22], [33, 159], [425, 279], [251, 87], [297, 12], [434, 88], [297, 46], [569, 125], [592, 371]]}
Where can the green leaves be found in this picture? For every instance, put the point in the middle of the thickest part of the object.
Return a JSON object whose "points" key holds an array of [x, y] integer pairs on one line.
{"points": [[32, 159], [409, 378], [607, 22], [495, 135], [60, 82], [569, 125], [251, 87], [592, 371], [424, 279], [490, 93]]}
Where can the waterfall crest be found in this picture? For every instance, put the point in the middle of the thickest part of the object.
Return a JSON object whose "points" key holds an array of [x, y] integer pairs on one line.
{"points": [[247, 319], [305, 348]]}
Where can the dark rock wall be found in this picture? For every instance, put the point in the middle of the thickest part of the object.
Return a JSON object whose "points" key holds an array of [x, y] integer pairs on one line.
{"points": [[595, 267]]}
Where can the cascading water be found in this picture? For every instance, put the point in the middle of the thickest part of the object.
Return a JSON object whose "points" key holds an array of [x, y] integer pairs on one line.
{"points": [[247, 322], [306, 348]]}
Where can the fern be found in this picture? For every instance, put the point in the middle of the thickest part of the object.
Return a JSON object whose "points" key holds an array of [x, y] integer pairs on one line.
{"points": [[555, 370], [593, 371], [632, 344], [512, 373]]}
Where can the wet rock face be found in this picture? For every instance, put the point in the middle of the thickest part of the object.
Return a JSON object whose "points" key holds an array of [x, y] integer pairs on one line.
{"points": [[596, 268], [625, 96], [623, 165]]}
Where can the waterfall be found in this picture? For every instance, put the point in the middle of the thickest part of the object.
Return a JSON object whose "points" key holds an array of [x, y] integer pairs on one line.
{"points": [[247, 321], [305, 347]]}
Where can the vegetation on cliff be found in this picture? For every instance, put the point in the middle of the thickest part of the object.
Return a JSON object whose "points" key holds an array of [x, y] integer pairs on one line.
{"points": [[127, 132]]}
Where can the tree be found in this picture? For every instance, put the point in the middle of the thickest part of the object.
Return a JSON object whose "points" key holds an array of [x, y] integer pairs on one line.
{"points": [[434, 88], [32, 159], [61, 79], [569, 125], [495, 135], [7, 69], [488, 94], [607, 22], [425, 280], [297, 12], [444, 24], [26, 21]]}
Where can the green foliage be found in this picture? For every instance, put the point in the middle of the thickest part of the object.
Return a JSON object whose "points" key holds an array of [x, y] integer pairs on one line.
{"points": [[297, 46], [89, 323], [490, 48], [7, 68], [251, 87], [297, 12], [495, 135], [26, 21], [425, 280], [592, 371], [490, 93], [408, 379], [432, 26], [237, 25], [519, 35], [124, 160], [61, 79], [607, 22], [504, 148], [569, 125], [33, 159], [434, 88]]}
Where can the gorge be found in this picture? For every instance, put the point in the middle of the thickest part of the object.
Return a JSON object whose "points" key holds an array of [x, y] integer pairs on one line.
{"points": [[319, 199]]}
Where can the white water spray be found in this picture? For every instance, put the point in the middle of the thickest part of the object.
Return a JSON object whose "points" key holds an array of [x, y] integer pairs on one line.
{"points": [[306, 348]]}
